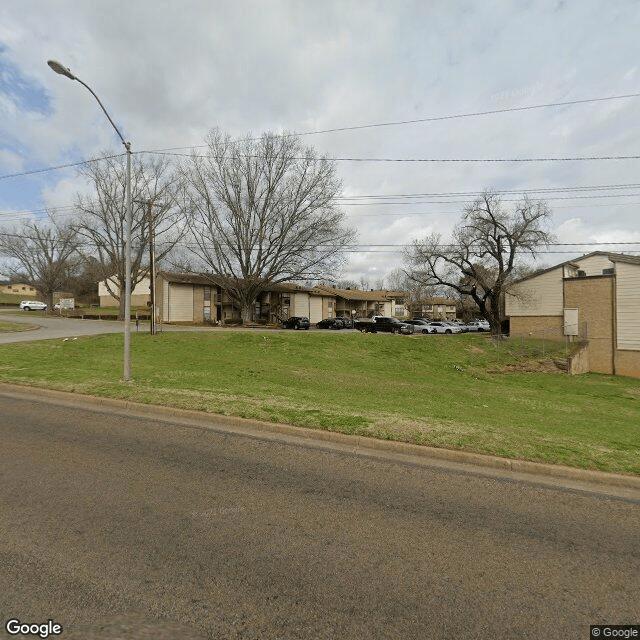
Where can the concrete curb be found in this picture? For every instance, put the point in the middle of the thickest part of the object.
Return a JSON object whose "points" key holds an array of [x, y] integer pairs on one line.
{"points": [[354, 444]]}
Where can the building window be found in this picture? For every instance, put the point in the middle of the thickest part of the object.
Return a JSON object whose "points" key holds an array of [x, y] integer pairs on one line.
{"points": [[207, 294]]}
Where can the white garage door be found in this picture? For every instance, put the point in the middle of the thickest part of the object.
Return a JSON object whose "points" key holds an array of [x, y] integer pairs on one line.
{"points": [[315, 309], [181, 303], [301, 304]]}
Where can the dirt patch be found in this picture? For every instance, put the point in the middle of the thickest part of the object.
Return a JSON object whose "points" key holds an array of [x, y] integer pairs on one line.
{"points": [[476, 350], [530, 366]]}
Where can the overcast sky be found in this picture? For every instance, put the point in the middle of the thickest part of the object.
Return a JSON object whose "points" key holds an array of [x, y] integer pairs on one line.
{"points": [[168, 71]]}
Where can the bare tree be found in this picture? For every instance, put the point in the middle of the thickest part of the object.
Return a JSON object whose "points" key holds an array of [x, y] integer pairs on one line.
{"points": [[102, 216], [264, 211], [482, 258], [346, 284], [44, 254], [398, 280]]}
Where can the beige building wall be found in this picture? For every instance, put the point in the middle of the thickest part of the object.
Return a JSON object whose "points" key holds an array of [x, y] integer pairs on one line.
{"points": [[627, 363], [593, 297], [19, 288], [628, 306], [594, 265], [140, 296], [540, 295], [540, 327], [198, 303]]}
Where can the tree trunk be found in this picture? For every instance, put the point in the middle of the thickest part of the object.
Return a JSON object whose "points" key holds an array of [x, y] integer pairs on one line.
{"points": [[245, 312], [121, 309]]}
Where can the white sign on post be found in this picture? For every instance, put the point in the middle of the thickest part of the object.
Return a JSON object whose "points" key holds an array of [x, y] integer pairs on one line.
{"points": [[67, 303]]}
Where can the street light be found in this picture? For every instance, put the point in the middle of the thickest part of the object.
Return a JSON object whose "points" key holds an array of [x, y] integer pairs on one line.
{"points": [[64, 71]]}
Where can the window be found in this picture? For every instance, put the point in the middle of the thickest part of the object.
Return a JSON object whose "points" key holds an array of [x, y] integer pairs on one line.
{"points": [[207, 294]]}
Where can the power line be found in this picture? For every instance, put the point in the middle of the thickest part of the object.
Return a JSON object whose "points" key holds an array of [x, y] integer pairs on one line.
{"points": [[430, 119], [470, 115], [389, 124], [436, 160], [62, 166], [489, 160], [599, 187]]}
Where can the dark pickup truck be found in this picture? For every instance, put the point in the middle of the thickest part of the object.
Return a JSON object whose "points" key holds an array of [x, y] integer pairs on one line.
{"points": [[384, 324]]}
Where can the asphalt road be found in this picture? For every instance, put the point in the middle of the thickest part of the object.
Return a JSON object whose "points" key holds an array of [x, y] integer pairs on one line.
{"points": [[116, 526], [42, 327], [49, 327]]}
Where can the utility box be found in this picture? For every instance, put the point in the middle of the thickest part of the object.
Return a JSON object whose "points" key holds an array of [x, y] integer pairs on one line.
{"points": [[571, 322]]}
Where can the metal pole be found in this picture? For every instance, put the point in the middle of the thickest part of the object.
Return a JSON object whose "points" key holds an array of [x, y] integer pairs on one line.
{"points": [[127, 271], [65, 71], [152, 264]]}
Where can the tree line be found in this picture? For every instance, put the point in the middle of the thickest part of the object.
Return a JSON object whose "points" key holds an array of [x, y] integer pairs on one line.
{"points": [[258, 211]]}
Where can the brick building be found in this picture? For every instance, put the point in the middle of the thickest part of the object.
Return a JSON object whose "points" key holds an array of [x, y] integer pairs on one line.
{"points": [[594, 299]]}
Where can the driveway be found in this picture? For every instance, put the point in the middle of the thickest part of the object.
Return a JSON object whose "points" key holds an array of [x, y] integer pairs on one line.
{"points": [[50, 327]]}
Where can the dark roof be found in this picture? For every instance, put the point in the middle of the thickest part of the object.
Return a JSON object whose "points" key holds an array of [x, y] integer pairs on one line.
{"points": [[377, 295], [227, 281], [616, 257]]}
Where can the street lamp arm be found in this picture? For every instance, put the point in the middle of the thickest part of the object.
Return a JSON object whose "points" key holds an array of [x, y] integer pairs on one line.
{"points": [[65, 71]]}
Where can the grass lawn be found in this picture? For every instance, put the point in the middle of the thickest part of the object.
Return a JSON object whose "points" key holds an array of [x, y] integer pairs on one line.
{"points": [[448, 391], [11, 326]]}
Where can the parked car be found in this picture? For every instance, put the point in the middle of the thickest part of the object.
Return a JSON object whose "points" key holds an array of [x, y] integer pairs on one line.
{"points": [[439, 326], [419, 325], [29, 305], [384, 324], [330, 323], [349, 323], [464, 327], [478, 325], [296, 322]]}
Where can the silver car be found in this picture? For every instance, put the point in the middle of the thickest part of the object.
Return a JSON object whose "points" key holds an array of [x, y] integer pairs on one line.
{"points": [[443, 327], [35, 305]]}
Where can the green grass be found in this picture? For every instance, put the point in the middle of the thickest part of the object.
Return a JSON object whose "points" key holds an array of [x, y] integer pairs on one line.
{"points": [[11, 326], [458, 392]]}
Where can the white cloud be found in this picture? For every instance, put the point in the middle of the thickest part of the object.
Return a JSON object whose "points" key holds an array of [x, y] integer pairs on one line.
{"points": [[170, 71]]}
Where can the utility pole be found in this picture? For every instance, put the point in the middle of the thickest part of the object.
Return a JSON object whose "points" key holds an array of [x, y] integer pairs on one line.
{"points": [[152, 262]]}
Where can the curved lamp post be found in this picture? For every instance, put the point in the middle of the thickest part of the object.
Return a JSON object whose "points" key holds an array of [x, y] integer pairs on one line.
{"points": [[64, 71]]}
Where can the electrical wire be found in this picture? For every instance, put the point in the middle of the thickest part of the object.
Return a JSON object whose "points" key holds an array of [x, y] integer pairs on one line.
{"points": [[432, 119]]}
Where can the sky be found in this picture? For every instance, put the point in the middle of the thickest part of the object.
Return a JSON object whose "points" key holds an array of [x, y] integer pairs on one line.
{"points": [[409, 83]]}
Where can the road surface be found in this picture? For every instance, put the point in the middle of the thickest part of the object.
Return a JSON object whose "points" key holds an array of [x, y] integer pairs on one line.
{"points": [[116, 526]]}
